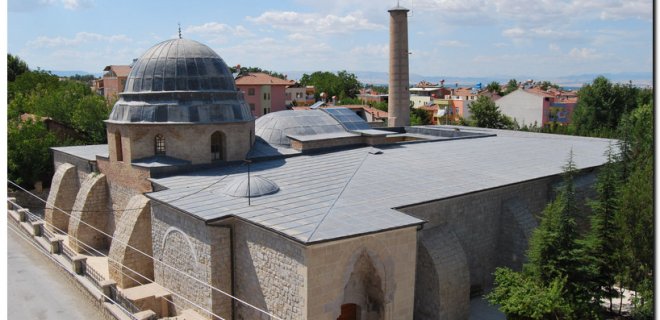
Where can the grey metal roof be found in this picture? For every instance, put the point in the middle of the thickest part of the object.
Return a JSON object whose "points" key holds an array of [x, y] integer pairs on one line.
{"points": [[85, 152], [352, 192], [256, 187], [180, 81], [276, 126]]}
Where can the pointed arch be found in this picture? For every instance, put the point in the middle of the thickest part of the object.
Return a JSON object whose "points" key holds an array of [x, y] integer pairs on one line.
{"points": [[365, 288], [218, 146]]}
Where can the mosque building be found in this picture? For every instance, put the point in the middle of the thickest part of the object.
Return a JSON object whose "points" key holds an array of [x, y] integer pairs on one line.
{"points": [[306, 214]]}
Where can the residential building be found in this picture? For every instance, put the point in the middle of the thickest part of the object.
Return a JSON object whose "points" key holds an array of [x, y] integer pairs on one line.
{"points": [[299, 95], [536, 107], [263, 92], [113, 81]]}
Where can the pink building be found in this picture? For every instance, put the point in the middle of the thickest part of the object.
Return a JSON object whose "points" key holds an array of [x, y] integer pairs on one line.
{"points": [[113, 81], [263, 92]]}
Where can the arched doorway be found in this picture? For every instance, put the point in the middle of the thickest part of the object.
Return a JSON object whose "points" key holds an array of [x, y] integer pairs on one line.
{"points": [[364, 290]]}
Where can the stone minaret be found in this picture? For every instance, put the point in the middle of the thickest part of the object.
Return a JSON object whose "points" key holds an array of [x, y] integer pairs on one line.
{"points": [[399, 97]]}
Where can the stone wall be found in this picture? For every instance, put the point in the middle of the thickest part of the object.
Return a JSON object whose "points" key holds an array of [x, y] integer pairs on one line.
{"points": [[62, 196], [181, 242], [191, 142], [124, 182], [337, 275], [88, 225], [83, 166], [130, 262], [270, 273], [492, 228]]}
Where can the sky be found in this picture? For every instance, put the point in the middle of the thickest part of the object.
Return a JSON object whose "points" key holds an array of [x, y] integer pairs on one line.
{"points": [[463, 38]]}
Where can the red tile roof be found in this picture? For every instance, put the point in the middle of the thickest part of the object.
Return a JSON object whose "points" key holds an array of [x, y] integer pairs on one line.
{"points": [[258, 78], [119, 70]]}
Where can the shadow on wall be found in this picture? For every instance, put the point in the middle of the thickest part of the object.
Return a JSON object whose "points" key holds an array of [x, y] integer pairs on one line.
{"points": [[364, 290]]}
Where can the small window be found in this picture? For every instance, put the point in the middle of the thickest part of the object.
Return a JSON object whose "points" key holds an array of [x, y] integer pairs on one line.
{"points": [[160, 144], [265, 95], [266, 110], [252, 107], [118, 148], [250, 91], [216, 146]]}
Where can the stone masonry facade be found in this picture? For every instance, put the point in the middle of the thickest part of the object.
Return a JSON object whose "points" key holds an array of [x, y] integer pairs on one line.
{"points": [[130, 262], [270, 273], [90, 217], [64, 189], [200, 251]]}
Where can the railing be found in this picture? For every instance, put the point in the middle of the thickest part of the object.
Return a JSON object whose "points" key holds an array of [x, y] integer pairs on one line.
{"points": [[47, 233], [91, 274], [126, 305], [32, 217], [68, 253]]}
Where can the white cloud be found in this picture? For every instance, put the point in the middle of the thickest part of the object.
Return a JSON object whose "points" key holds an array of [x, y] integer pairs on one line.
{"points": [[316, 23], [32, 5], [78, 39], [300, 37], [377, 50], [554, 47], [540, 33], [583, 53], [77, 4]]}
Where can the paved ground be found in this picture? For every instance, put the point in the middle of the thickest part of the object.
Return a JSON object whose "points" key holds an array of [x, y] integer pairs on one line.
{"points": [[36, 289], [480, 309]]}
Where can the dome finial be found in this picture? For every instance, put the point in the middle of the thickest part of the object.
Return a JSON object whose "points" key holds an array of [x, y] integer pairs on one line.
{"points": [[179, 30]]}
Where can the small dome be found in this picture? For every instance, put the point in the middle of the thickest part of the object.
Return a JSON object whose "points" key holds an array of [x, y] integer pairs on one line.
{"points": [[274, 127], [180, 81], [259, 186]]}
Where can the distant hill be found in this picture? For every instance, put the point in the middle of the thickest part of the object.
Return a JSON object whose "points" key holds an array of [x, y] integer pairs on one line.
{"points": [[381, 78], [61, 73]]}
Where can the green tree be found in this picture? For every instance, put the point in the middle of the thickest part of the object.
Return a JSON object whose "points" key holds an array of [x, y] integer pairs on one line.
{"points": [[511, 86], [30, 81], [635, 218], [520, 296], [28, 157], [419, 117], [494, 87], [484, 113], [554, 257], [602, 243], [342, 85], [15, 67], [545, 85], [601, 106]]}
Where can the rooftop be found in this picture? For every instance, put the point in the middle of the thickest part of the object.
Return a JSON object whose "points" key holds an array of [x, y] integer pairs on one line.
{"points": [[350, 192], [259, 78]]}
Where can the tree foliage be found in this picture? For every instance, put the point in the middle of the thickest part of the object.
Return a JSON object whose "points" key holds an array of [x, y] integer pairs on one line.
{"points": [[69, 103], [634, 217], [484, 113], [601, 106], [342, 85], [15, 67], [556, 263], [494, 87], [511, 86], [28, 156]]}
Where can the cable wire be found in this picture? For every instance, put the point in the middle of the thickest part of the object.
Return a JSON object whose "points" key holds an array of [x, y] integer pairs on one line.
{"points": [[150, 256], [99, 253]]}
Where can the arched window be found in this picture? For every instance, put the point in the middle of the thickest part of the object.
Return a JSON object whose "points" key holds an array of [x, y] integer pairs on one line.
{"points": [[118, 150], [160, 144], [217, 146]]}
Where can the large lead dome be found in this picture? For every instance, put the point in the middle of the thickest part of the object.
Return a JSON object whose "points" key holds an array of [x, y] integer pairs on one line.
{"points": [[181, 81]]}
